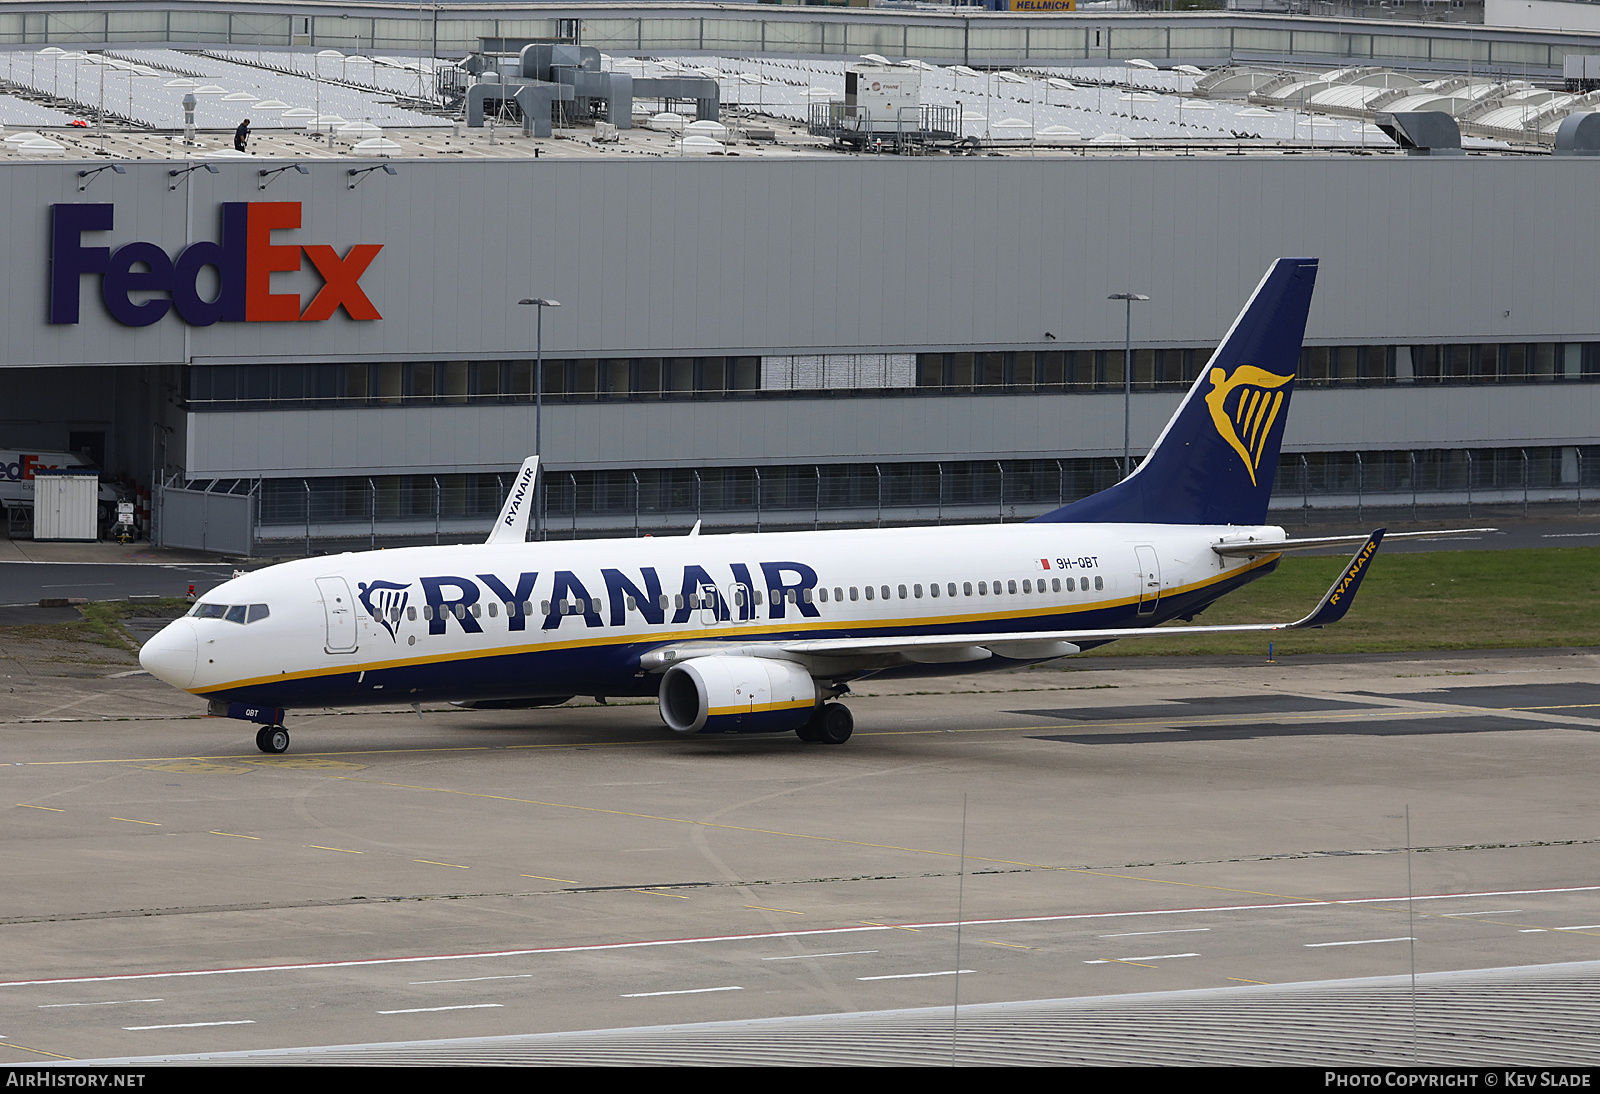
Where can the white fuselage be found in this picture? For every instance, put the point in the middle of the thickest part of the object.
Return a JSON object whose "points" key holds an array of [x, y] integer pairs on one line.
{"points": [[561, 618]]}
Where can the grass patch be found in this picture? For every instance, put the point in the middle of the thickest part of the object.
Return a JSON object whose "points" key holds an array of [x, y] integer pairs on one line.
{"points": [[1438, 600], [101, 623]]}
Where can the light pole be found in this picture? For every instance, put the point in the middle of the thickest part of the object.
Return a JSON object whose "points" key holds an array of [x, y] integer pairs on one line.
{"points": [[1127, 373], [538, 408]]}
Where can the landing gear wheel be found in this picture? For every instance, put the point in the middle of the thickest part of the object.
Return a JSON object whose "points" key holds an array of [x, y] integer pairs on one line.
{"points": [[272, 739], [835, 725]]}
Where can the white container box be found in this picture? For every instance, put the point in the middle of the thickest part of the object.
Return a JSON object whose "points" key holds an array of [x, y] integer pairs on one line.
{"points": [[66, 505]]}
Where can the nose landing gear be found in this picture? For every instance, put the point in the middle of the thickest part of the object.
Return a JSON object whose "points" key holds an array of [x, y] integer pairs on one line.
{"points": [[272, 739]]}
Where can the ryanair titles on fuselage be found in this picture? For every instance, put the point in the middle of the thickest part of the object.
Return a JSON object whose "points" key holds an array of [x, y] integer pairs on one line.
{"points": [[785, 588]]}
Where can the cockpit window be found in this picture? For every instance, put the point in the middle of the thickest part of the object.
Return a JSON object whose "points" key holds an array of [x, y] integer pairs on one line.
{"points": [[233, 613]]}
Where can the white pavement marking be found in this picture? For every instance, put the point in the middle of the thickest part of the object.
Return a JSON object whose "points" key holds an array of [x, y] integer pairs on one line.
{"points": [[1499, 911], [1358, 942], [1584, 927], [107, 1003], [1136, 934], [475, 979], [194, 1025], [601, 947], [842, 953], [1147, 957], [686, 991], [918, 975], [434, 1010]]}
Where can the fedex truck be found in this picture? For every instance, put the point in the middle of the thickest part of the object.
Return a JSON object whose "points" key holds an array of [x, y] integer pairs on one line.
{"points": [[17, 471]]}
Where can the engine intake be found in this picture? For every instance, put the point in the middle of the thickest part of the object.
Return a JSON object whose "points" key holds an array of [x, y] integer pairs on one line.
{"points": [[731, 694]]}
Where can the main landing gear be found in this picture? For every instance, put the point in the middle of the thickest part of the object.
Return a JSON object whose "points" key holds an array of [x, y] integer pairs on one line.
{"points": [[272, 739], [832, 724]]}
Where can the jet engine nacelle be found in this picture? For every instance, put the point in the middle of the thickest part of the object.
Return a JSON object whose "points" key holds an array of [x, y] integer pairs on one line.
{"points": [[731, 694]]}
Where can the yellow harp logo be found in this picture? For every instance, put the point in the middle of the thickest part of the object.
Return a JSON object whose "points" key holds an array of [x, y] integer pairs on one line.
{"points": [[1245, 422]]}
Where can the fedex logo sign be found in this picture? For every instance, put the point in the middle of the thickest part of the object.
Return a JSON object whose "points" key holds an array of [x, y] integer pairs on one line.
{"points": [[244, 261]]}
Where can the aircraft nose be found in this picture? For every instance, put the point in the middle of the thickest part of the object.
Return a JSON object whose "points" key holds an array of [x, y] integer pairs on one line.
{"points": [[172, 654]]}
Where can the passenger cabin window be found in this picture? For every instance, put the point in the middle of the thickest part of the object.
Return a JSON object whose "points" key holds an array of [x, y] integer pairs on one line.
{"points": [[869, 592], [1099, 582], [853, 595], [884, 590]]}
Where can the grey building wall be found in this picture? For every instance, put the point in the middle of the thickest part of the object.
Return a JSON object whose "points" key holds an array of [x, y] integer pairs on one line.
{"points": [[848, 254], [740, 433], [665, 257]]}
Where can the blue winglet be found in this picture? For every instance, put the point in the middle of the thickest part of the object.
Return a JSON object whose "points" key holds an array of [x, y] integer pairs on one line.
{"points": [[1342, 593]]}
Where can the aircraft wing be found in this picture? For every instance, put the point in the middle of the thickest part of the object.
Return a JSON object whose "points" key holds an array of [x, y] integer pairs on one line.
{"points": [[942, 648]]}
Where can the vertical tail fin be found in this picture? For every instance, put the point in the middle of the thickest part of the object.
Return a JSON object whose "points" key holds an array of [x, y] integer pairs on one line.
{"points": [[1215, 461]]}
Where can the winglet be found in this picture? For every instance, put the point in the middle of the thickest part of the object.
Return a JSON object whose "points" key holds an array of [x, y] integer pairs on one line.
{"points": [[1342, 593], [511, 526]]}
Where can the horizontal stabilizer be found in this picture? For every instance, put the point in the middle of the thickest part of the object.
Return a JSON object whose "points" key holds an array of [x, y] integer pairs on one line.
{"points": [[1250, 548]]}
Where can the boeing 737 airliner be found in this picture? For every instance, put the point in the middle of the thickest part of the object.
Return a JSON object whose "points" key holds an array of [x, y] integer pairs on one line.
{"points": [[759, 633]]}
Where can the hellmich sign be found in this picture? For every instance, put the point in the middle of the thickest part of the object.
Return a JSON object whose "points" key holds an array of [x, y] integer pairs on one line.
{"points": [[244, 261]]}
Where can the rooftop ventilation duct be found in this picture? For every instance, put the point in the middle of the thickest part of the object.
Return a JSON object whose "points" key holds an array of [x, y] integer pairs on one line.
{"points": [[1422, 132], [1579, 135]]}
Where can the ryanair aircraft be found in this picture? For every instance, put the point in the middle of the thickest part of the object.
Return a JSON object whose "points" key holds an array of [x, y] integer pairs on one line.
{"points": [[760, 633]]}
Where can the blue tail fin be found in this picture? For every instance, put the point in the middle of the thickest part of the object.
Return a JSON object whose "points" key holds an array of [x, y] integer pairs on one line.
{"points": [[1215, 461]]}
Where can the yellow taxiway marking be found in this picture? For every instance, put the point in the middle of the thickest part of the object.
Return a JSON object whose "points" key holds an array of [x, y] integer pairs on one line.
{"points": [[763, 908], [658, 892], [430, 862], [40, 1051], [1242, 980], [129, 820], [1008, 945], [51, 808], [235, 835], [541, 877], [346, 850]]}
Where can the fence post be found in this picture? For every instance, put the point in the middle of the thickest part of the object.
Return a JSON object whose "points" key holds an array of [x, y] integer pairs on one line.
{"points": [[698, 490], [307, 484], [1524, 452], [816, 500], [877, 469], [1305, 490], [572, 476], [1411, 464], [372, 514], [1361, 479], [1000, 467], [1468, 451], [1577, 451], [635, 476], [438, 510], [757, 470], [939, 518]]}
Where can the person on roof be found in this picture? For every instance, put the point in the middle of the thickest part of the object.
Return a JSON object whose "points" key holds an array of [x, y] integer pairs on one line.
{"points": [[241, 134]]}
